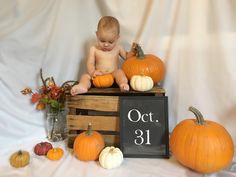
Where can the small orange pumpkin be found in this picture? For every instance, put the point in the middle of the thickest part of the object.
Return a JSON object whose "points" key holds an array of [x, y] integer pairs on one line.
{"points": [[55, 153], [103, 81], [202, 145], [144, 64], [88, 145]]}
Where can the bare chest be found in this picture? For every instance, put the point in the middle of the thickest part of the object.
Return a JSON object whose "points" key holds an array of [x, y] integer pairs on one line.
{"points": [[106, 55]]}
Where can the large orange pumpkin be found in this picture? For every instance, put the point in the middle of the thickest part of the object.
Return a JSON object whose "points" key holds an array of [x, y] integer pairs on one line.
{"points": [[103, 81], [144, 64], [202, 145], [88, 145]]}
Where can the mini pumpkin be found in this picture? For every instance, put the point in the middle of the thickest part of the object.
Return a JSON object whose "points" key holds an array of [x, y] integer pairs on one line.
{"points": [[202, 145], [141, 83], [88, 145], [103, 81], [55, 153], [42, 148], [110, 157], [144, 64], [19, 159]]}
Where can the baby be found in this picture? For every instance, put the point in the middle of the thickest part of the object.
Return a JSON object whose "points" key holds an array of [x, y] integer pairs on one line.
{"points": [[103, 57]]}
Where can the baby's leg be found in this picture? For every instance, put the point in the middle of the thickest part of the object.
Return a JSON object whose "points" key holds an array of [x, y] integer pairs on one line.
{"points": [[121, 80], [83, 86]]}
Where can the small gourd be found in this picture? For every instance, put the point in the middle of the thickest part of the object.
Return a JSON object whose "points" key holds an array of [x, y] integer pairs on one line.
{"points": [[141, 83], [20, 159], [110, 157], [55, 153], [88, 145], [42, 148], [103, 81]]}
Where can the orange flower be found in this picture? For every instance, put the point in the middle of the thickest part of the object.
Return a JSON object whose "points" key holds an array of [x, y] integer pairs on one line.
{"points": [[35, 97], [51, 83], [55, 92], [40, 106]]}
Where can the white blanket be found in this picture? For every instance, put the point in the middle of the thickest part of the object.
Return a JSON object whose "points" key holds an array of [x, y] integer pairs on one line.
{"points": [[195, 39]]}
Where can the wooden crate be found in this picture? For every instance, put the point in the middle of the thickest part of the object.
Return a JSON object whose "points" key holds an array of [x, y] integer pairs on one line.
{"points": [[101, 108]]}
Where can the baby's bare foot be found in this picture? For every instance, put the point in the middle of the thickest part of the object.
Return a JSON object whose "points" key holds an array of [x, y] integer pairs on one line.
{"points": [[78, 89], [124, 87]]}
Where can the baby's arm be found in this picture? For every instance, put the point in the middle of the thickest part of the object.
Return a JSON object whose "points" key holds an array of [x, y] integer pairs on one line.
{"points": [[91, 62], [124, 54]]}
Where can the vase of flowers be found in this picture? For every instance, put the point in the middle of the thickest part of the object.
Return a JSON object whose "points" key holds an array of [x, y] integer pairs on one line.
{"points": [[51, 97], [56, 128]]}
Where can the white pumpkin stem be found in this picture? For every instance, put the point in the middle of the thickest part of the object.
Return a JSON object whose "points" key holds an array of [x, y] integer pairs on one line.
{"points": [[198, 114], [111, 149]]}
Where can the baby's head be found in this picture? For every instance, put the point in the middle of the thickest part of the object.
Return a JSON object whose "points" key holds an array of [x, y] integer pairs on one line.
{"points": [[108, 31]]}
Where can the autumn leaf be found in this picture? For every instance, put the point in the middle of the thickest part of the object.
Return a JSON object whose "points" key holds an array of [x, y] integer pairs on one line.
{"points": [[26, 91], [54, 104]]}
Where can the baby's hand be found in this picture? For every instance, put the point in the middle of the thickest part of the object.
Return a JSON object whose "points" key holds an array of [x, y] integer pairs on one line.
{"points": [[133, 51], [97, 73], [130, 54]]}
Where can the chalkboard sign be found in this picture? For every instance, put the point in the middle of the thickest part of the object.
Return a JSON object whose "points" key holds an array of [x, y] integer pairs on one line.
{"points": [[144, 129]]}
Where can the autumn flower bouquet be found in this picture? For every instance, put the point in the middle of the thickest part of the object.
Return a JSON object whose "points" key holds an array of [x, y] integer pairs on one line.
{"points": [[49, 94], [52, 97]]}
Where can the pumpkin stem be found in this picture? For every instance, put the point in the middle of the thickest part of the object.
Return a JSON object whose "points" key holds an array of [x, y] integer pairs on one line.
{"points": [[198, 114], [140, 53], [20, 152], [89, 130], [112, 149]]}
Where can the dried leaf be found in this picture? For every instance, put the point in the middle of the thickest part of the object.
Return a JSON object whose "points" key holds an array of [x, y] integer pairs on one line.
{"points": [[26, 91]]}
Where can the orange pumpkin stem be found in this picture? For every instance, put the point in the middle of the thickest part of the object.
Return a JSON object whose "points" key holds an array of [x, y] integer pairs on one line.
{"points": [[140, 53], [89, 130], [198, 114]]}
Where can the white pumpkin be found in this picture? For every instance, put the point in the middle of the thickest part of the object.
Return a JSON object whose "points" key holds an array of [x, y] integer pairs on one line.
{"points": [[141, 83], [110, 157]]}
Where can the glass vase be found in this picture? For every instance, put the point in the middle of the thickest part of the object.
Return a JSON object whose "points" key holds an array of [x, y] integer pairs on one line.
{"points": [[56, 127]]}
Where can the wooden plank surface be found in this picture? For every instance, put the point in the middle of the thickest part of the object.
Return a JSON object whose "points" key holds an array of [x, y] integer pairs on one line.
{"points": [[94, 102], [103, 123], [154, 90], [116, 91]]}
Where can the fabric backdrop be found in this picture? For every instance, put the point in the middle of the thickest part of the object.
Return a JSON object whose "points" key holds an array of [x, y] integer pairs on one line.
{"points": [[195, 39]]}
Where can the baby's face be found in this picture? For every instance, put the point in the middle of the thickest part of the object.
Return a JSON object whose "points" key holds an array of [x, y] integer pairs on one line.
{"points": [[107, 39]]}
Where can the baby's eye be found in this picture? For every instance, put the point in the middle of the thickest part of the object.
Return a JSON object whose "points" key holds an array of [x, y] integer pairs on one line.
{"points": [[111, 42]]}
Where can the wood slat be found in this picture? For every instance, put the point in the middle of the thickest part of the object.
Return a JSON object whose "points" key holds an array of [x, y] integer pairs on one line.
{"points": [[93, 102], [103, 123], [117, 91]]}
